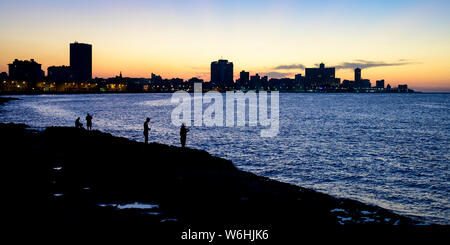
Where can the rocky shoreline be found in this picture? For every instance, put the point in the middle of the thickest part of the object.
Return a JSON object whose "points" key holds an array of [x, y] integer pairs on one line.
{"points": [[68, 177]]}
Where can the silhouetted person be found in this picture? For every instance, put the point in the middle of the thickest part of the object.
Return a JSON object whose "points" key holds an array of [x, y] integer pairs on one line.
{"points": [[146, 129], [89, 122], [183, 133], [78, 124]]}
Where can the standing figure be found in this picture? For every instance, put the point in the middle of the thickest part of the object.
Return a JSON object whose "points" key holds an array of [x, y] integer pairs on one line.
{"points": [[146, 129], [89, 122], [78, 124], [183, 133]]}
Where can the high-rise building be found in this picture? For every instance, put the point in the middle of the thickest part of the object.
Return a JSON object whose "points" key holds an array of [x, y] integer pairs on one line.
{"points": [[321, 77], [357, 74], [264, 80], [25, 70], [255, 81], [244, 78], [60, 74], [363, 83], [81, 61], [222, 72], [380, 84]]}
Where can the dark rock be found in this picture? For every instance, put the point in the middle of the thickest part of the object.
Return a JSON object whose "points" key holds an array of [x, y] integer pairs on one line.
{"points": [[93, 172]]}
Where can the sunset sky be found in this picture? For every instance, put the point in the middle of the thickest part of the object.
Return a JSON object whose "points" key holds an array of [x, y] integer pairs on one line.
{"points": [[399, 41]]}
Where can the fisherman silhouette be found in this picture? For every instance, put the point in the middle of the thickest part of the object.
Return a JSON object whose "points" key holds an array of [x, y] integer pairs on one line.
{"points": [[78, 124], [89, 122], [183, 132], [146, 129]]}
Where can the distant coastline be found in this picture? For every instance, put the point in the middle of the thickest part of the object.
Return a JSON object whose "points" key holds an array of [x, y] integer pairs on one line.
{"points": [[27, 76], [5, 93]]}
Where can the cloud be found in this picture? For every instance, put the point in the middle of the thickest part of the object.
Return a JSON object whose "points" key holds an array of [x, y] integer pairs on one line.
{"points": [[289, 67], [275, 74], [204, 68], [364, 64]]}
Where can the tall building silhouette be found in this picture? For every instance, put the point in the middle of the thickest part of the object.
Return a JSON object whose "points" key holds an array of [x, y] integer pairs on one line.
{"points": [[25, 70], [222, 72], [255, 81], [357, 74], [81, 61], [360, 82], [60, 74], [380, 83], [244, 78], [322, 77]]}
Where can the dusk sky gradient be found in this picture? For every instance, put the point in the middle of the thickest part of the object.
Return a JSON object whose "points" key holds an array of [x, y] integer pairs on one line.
{"points": [[399, 41]]}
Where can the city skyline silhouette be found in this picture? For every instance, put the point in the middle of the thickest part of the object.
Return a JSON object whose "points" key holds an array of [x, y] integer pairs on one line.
{"points": [[400, 41], [27, 76]]}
